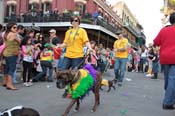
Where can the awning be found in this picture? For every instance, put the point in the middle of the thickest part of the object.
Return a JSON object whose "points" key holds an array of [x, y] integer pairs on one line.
{"points": [[43, 1], [11, 2], [33, 1], [81, 1]]}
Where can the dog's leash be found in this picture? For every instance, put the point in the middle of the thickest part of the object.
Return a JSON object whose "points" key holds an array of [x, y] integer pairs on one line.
{"points": [[76, 78], [10, 110]]}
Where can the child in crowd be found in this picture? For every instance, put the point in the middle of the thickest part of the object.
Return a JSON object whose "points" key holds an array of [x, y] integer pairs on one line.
{"points": [[92, 58], [136, 61], [27, 52], [46, 58]]}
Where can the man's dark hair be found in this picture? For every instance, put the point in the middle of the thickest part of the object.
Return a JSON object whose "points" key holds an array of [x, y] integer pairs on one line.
{"points": [[172, 18], [20, 27]]}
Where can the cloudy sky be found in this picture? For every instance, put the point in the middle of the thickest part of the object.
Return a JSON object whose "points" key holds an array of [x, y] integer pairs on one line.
{"points": [[148, 14]]}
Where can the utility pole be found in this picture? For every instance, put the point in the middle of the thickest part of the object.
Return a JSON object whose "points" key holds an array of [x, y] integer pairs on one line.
{"points": [[2, 12]]}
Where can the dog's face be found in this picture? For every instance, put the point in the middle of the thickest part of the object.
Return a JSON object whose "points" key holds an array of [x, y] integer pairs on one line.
{"points": [[65, 77]]}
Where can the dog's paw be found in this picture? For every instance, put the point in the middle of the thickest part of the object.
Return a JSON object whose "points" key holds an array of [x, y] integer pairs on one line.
{"points": [[92, 110], [75, 110]]}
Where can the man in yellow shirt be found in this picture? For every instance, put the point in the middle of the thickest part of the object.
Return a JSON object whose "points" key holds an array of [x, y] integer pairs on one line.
{"points": [[121, 56]]}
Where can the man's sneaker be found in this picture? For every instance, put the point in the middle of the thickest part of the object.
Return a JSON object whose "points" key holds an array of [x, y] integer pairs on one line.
{"points": [[168, 107], [119, 84]]}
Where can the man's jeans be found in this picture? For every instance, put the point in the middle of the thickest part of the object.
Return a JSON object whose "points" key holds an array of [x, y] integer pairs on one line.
{"points": [[71, 62], [119, 68], [169, 76]]}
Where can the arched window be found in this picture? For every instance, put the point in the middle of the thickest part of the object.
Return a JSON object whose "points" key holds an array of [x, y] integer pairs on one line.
{"points": [[46, 6], [11, 8], [33, 4]]}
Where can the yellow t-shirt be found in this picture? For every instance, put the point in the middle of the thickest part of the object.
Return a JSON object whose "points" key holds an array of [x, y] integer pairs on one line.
{"points": [[75, 41], [119, 44]]}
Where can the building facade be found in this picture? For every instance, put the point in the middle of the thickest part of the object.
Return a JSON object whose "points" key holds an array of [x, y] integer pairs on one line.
{"points": [[132, 29], [97, 17]]}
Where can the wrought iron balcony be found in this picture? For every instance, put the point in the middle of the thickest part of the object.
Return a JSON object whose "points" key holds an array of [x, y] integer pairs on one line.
{"points": [[131, 29], [64, 17]]}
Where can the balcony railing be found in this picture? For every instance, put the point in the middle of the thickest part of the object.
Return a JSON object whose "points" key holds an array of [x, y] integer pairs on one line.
{"points": [[131, 28], [65, 17]]}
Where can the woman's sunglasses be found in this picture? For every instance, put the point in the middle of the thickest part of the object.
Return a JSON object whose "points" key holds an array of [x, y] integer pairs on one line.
{"points": [[75, 20], [14, 27]]}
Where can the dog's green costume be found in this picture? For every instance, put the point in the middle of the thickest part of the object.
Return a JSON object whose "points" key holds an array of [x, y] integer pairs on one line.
{"points": [[82, 86]]}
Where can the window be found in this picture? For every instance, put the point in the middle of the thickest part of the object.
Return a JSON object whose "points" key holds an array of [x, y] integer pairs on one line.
{"points": [[33, 6], [46, 6], [10, 9]]}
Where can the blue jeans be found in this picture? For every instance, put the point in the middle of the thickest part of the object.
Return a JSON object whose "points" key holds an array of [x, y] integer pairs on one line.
{"points": [[119, 68], [169, 76], [71, 63], [44, 66], [166, 70], [155, 67], [60, 61], [10, 65]]}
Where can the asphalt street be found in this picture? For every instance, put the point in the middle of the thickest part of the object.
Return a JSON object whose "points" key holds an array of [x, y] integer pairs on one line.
{"points": [[139, 96]]}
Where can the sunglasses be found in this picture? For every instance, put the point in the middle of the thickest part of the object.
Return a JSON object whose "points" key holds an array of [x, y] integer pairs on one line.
{"points": [[75, 20], [14, 27]]}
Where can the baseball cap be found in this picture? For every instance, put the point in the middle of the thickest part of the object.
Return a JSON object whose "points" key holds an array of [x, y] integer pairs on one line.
{"points": [[119, 32], [20, 27], [52, 31]]}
